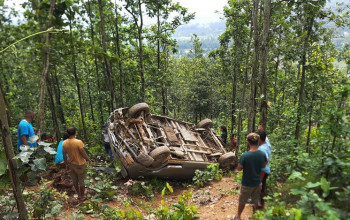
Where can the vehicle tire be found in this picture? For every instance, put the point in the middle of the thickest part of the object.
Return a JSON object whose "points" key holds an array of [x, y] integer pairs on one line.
{"points": [[205, 123], [228, 160], [160, 155], [135, 109]]}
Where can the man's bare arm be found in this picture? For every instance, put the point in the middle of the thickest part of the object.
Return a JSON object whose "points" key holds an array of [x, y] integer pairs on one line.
{"points": [[65, 158], [24, 140], [84, 155], [239, 167]]}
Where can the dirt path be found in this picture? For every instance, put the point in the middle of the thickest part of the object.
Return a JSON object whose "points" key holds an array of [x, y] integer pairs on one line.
{"points": [[219, 200]]}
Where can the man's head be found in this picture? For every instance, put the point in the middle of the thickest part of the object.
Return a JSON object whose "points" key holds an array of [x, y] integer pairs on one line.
{"points": [[29, 115], [71, 131], [262, 135], [253, 139], [44, 136], [260, 128]]}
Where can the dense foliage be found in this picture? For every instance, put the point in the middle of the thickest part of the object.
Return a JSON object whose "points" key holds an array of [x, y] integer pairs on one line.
{"points": [[277, 64]]}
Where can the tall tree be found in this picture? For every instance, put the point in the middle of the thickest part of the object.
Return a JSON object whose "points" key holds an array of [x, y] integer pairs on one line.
{"points": [[7, 143], [264, 57], [255, 68], [108, 68], [46, 62], [134, 7]]}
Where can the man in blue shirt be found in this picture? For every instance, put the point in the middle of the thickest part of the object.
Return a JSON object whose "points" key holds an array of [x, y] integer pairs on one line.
{"points": [[25, 130], [265, 172]]}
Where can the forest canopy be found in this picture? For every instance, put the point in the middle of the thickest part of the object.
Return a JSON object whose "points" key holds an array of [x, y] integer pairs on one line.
{"points": [[277, 65]]}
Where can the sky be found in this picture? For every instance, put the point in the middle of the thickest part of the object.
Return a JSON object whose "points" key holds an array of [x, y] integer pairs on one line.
{"points": [[207, 11]]}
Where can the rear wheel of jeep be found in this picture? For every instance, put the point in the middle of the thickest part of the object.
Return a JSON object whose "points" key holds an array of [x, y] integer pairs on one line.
{"points": [[228, 160], [160, 155], [205, 123], [136, 109]]}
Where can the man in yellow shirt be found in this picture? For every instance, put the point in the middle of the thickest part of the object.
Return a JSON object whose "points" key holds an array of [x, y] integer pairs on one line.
{"points": [[76, 161]]}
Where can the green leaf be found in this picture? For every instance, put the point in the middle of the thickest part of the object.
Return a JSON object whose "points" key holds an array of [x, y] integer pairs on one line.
{"points": [[40, 163], [313, 185], [170, 188], [296, 175], [325, 185], [50, 150]]}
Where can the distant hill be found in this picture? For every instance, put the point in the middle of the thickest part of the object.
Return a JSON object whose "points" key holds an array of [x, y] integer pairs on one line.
{"points": [[208, 34]]}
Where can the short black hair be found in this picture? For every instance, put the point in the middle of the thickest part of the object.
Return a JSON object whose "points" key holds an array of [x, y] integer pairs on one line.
{"points": [[71, 131], [28, 112], [65, 136], [223, 127], [44, 136], [262, 135]]}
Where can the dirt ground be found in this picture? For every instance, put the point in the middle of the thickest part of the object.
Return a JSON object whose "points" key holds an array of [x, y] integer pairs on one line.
{"points": [[218, 200]]}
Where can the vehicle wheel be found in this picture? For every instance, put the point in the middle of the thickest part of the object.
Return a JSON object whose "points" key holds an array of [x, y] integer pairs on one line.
{"points": [[160, 155], [205, 123], [135, 109], [228, 160]]}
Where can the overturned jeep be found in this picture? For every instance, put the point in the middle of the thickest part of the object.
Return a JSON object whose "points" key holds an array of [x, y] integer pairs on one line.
{"points": [[154, 145]]}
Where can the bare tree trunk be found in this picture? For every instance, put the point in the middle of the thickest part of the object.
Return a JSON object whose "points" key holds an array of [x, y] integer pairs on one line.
{"points": [[52, 103], [77, 80], [245, 81], [58, 96], [110, 81], [255, 69], [303, 78], [235, 69], [142, 68], [92, 33], [7, 142], [264, 55], [46, 62], [120, 64]]}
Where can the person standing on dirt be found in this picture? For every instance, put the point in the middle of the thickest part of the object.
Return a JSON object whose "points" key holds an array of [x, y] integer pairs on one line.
{"points": [[233, 142], [59, 154], [76, 161], [223, 136], [26, 130], [251, 162], [265, 172], [261, 128], [106, 143]]}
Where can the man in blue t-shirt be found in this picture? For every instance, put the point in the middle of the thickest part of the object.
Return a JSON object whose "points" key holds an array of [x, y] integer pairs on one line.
{"points": [[251, 162], [265, 172], [25, 130]]}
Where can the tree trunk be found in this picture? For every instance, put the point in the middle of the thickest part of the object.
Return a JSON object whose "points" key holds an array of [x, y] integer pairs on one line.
{"points": [[303, 77], [255, 69], [58, 96], [76, 78], [110, 81], [52, 103], [264, 55], [92, 33], [44, 74], [7, 142], [142, 68], [89, 90], [245, 81], [120, 64], [235, 69]]}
